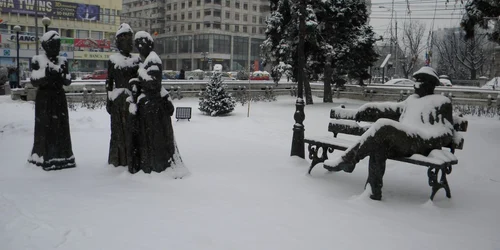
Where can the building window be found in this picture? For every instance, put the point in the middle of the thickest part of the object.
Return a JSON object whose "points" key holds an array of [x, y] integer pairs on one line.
{"points": [[217, 13], [201, 43], [112, 16], [169, 7], [245, 6], [254, 30], [189, 26], [228, 3], [168, 17], [96, 35], [218, 2], [184, 44], [207, 25], [237, 5], [182, 16], [245, 18], [174, 29], [208, 12], [262, 30], [217, 26], [240, 53], [254, 19], [208, 1], [236, 28], [190, 4], [228, 14], [244, 29], [175, 6], [261, 20], [226, 27], [198, 2], [222, 44], [198, 14], [82, 34], [170, 45], [182, 28], [254, 7], [197, 26], [236, 16], [183, 5], [175, 17], [190, 15]]}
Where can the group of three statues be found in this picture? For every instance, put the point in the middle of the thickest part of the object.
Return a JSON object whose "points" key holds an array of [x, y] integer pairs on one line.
{"points": [[142, 136]]}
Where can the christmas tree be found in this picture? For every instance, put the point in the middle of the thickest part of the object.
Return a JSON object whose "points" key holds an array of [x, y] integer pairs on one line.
{"points": [[215, 100]]}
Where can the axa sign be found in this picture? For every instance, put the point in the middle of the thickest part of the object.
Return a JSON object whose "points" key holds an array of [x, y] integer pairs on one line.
{"points": [[23, 38]]}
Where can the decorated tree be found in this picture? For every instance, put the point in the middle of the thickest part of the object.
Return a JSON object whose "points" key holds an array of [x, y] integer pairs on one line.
{"points": [[214, 99]]}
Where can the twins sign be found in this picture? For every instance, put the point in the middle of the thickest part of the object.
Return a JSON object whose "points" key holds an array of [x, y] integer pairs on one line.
{"points": [[52, 8]]}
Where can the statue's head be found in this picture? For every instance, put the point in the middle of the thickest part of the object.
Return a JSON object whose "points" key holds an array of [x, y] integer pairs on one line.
{"points": [[426, 79], [144, 43], [124, 39], [51, 43]]}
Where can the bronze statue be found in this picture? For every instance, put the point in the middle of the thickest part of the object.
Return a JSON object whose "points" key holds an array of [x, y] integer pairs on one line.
{"points": [[52, 144], [425, 123], [154, 143], [121, 68]]}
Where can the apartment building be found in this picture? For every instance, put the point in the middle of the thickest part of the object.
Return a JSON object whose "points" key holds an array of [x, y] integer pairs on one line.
{"points": [[194, 34], [87, 28]]}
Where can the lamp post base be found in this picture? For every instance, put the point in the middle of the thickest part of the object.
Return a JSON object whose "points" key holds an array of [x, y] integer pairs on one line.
{"points": [[298, 148]]}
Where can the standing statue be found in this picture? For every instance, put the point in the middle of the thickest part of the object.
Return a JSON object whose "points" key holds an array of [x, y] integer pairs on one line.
{"points": [[425, 123], [121, 68], [155, 142], [52, 145]]}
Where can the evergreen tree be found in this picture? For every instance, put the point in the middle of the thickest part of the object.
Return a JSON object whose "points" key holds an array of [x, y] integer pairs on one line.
{"points": [[482, 13], [214, 99]]}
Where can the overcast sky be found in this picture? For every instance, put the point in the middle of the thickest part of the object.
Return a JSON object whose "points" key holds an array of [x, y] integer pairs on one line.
{"points": [[424, 11]]}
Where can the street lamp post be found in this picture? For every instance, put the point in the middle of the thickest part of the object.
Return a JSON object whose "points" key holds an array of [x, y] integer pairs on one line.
{"points": [[394, 39], [204, 54], [46, 22], [17, 29]]}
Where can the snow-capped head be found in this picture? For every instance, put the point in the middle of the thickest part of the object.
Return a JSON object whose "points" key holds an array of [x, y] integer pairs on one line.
{"points": [[144, 43], [51, 43], [426, 79], [124, 28], [124, 39]]}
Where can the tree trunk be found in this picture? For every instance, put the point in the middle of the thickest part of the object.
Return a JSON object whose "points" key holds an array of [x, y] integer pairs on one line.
{"points": [[327, 91], [307, 90], [473, 73]]}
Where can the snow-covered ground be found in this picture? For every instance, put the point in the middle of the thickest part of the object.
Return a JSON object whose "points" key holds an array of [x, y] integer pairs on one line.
{"points": [[245, 191]]}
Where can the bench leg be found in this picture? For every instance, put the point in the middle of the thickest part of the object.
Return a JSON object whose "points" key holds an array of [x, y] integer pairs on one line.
{"points": [[376, 171], [433, 173], [313, 154]]}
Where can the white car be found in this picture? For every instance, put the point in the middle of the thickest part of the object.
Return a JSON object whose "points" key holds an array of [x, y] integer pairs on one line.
{"points": [[445, 82], [400, 82]]}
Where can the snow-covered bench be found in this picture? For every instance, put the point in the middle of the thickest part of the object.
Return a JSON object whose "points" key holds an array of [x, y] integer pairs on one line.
{"points": [[344, 123]]}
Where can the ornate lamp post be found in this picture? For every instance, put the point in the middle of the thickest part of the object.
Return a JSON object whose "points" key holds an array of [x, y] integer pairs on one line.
{"points": [[299, 116], [17, 29], [46, 22]]}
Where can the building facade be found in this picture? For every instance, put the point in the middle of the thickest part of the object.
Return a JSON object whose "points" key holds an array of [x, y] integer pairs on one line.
{"points": [[195, 34], [87, 28]]}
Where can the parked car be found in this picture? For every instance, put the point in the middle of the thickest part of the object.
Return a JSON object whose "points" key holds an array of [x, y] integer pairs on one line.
{"points": [[97, 75], [260, 75], [445, 81], [400, 82]]}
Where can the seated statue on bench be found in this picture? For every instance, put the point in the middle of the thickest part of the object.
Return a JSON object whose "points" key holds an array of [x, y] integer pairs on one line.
{"points": [[425, 123]]}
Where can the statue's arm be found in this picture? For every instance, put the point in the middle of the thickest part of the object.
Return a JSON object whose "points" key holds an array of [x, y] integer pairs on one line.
{"points": [[66, 75], [447, 112], [35, 80], [370, 112]]}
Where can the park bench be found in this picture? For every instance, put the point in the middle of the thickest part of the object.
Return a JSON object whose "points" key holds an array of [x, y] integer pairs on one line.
{"points": [[439, 160]]}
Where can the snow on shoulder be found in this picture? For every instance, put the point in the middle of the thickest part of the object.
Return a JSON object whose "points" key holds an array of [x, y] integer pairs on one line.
{"points": [[49, 35], [143, 34], [124, 28], [152, 58]]}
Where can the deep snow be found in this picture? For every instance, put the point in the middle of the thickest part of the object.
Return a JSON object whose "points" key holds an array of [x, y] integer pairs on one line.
{"points": [[244, 191]]}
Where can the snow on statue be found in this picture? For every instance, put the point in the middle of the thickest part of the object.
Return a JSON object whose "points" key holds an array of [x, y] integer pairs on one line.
{"points": [[121, 68], [153, 145], [52, 144], [425, 123]]}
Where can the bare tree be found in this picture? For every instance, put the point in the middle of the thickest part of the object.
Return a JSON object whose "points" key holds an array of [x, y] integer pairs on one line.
{"points": [[460, 54], [413, 45]]}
